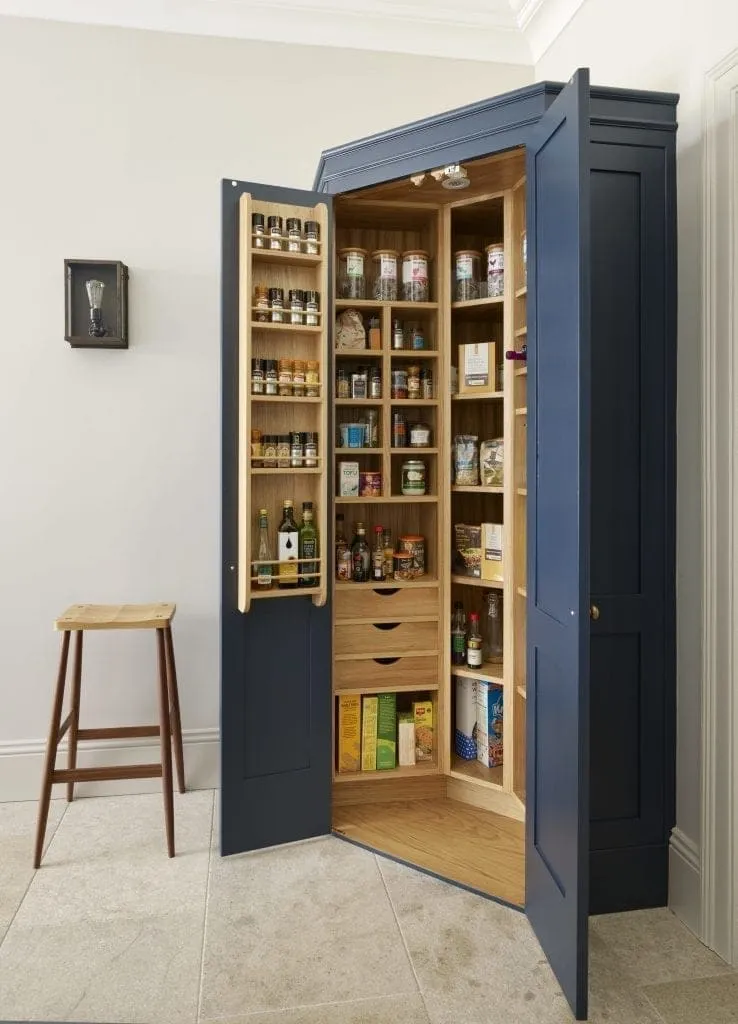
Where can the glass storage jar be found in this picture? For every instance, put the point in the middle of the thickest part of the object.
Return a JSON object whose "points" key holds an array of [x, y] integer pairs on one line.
{"points": [[276, 230], [413, 381], [384, 275], [294, 234], [467, 263], [257, 230], [312, 237], [495, 270], [413, 477], [415, 276], [399, 384], [352, 273]]}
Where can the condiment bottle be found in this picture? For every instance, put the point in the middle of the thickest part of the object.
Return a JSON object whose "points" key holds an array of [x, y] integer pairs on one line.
{"points": [[389, 553], [474, 642], [297, 306], [288, 545], [343, 552], [296, 449], [458, 635], [398, 337], [312, 308], [413, 381], [310, 444], [399, 430], [378, 556], [360, 556], [343, 385], [426, 383], [271, 377], [375, 383]]}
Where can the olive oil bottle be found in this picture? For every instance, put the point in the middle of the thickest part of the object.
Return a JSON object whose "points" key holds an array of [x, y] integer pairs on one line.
{"points": [[287, 547], [308, 547]]}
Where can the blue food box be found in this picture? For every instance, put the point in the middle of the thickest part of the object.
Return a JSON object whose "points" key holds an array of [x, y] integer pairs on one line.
{"points": [[489, 724]]}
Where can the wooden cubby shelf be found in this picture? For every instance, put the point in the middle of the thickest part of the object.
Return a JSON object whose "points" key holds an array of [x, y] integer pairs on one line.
{"points": [[475, 771], [522, 411], [390, 499], [399, 305], [285, 399], [522, 692], [522, 591], [408, 772], [476, 489], [369, 691], [522, 372], [258, 595], [414, 353], [496, 300], [422, 581], [521, 332], [288, 470], [520, 292], [473, 581], [490, 671], [286, 328], [357, 451], [358, 353], [412, 402], [281, 256], [478, 398], [365, 403], [522, 492]]}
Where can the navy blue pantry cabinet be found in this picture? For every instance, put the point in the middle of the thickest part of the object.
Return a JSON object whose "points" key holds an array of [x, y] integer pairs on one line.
{"points": [[586, 176]]}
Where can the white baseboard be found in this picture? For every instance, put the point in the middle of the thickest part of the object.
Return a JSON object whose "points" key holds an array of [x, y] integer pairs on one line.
{"points": [[21, 764], [685, 880]]}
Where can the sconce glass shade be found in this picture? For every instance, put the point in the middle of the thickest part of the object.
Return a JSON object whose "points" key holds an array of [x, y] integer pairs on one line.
{"points": [[95, 293]]}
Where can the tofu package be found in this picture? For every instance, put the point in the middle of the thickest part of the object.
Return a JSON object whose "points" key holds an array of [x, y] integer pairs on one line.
{"points": [[489, 724], [348, 479], [465, 734]]}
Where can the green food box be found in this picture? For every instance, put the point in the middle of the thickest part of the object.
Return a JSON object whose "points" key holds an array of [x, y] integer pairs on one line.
{"points": [[387, 731]]}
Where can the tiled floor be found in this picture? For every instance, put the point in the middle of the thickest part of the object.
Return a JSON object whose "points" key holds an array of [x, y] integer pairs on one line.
{"points": [[316, 933]]}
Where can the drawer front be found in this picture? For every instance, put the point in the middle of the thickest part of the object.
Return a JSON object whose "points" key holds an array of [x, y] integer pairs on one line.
{"points": [[386, 638], [405, 673], [386, 604]]}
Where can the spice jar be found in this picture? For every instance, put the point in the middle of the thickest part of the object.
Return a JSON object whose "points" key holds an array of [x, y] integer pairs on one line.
{"points": [[399, 383], [415, 276], [297, 306], [257, 230], [359, 381], [283, 451], [294, 234], [413, 477], [275, 232], [276, 304], [413, 381], [310, 444], [398, 336], [371, 429], [298, 378], [257, 376], [399, 430], [384, 273], [495, 270], [375, 383], [256, 447], [420, 435], [312, 237], [261, 304], [343, 384], [351, 274], [296, 449], [285, 378], [271, 377], [426, 383], [416, 337], [312, 379], [312, 307], [269, 450], [467, 274]]}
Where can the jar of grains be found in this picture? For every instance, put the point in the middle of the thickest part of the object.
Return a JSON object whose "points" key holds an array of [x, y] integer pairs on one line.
{"points": [[415, 276], [413, 381], [495, 270], [384, 274], [413, 477], [351, 273], [285, 378], [467, 263]]}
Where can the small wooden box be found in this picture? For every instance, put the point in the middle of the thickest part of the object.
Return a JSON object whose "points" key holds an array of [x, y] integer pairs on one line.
{"points": [[477, 367]]}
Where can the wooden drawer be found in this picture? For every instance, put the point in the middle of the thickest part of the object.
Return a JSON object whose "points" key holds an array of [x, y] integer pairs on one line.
{"points": [[392, 674], [386, 638], [396, 605]]}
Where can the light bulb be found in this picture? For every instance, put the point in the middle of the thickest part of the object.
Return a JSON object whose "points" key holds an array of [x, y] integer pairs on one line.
{"points": [[95, 293]]}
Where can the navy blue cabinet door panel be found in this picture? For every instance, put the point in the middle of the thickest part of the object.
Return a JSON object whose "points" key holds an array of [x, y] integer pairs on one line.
{"points": [[275, 659], [557, 815]]}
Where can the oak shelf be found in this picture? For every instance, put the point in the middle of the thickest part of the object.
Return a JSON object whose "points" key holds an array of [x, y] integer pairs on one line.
{"points": [[490, 671], [520, 292], [391, 499], [496, 300], [289, 328], [376, 304], [296, 259], [521, 332], [476, 489], [404, 772], [475, 771], [422, 581], [522, 372], [257, 595], [477, 398], [473, 581], [284, 398]]}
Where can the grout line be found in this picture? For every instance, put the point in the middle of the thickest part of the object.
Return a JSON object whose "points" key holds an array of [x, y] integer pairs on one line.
{"points": [[301, 1006], [402, 937], [205, 910], [31, 880]]}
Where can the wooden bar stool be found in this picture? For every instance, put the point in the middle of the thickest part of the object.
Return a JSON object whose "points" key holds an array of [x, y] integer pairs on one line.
{"points": [[77, 619]]}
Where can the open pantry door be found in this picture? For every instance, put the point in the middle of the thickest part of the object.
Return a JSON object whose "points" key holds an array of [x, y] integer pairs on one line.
{"points": [[275, 653], [557, 813]]}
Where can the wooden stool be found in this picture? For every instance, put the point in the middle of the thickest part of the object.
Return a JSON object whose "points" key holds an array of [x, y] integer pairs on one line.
{"points": [[77, 619]]}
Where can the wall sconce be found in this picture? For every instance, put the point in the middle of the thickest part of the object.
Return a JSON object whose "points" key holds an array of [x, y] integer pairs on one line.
{"points": [[96, 303]]}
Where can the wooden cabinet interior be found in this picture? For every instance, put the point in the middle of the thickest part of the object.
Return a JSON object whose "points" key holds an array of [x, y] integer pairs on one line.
{"points": [[448, 814]]}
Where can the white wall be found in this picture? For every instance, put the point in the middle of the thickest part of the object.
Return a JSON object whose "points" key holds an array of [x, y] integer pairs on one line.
{"points": [[668, 45], [113, 144]]}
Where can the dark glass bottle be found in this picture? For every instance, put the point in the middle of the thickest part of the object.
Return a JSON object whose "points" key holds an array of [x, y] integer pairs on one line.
{"points": [[360, 556], [288, 547], [308, 547], [458, 635]]}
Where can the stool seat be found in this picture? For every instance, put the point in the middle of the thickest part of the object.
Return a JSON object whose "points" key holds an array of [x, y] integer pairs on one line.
{"points": [[116, 616]]}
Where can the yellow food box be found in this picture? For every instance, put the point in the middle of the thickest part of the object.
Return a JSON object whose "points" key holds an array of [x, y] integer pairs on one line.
{"points": [[423, 718], [349, 734], [492, 551], [369, 716]]}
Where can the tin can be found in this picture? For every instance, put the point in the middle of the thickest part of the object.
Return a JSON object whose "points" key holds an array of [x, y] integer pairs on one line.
{"points": [[370, 484], [415, 547], [399, 383], [403, 565]]}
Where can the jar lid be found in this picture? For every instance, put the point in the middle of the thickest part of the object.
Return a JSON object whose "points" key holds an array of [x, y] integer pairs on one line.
{"points": [[353, 249], [414, 462], [311, 296], [412, 538], [312, 225], [274, 219], [494, 246], [415, 252], [385, 252], [294, 222], [404, 555], [296, 294], [468, 252], [257, 218], [276, 293]]}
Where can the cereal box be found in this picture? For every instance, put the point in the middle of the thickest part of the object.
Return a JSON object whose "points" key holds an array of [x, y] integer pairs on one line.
{"points": [[387, 731], [423, 718], [489, 724], [369, 711], [465, 734], [406, 738], [349, 734]]}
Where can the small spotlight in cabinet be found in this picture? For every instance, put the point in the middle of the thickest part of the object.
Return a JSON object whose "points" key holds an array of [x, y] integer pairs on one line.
{"points": [[96, 303]]}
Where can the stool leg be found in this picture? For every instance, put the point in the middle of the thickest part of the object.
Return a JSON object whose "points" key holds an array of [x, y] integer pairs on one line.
{"points": [[74, 722], [176, 718], [51, 746], [165, 728]]}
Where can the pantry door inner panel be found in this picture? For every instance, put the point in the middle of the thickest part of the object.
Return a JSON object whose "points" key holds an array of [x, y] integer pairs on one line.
{"points": [[557, 818]]}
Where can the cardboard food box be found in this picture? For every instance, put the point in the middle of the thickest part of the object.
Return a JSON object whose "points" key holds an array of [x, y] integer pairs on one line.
{"points": [[387, 732], [492, 551], [406, 739], [489, 724], [348, 479], [349, 734], [477, 367], [423, 719], [465, 734], [467, 559], [369, 711]]}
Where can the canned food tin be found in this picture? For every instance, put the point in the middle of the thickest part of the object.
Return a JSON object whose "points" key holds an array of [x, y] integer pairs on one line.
{"points": [[414, 546], [399, 383], [370, 484], [403, 563]]}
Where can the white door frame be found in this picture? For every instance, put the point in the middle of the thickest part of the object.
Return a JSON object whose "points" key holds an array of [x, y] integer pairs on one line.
{"points": [[719, 840]]}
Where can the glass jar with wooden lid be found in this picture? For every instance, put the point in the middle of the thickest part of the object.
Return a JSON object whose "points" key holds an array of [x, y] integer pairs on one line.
{"points": [[415, 277], [384, 275], [352, 273], [467, 264]]}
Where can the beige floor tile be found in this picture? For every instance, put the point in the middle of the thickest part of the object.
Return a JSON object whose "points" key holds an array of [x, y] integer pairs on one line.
{"points": [[133, 969], [699, 1001], [407, 1009], [297, 926], [653, 946], [614, 998], [17, 831]]}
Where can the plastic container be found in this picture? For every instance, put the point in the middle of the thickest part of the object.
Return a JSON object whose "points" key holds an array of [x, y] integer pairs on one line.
{"points": [[384, 275], [415, 277], [352, 273], [467, 264]]}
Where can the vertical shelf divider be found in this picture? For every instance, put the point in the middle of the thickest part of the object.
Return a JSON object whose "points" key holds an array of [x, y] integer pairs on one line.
{"points": [[386, 437], [325, 452], [508, 500], [244, 403], [443, 443]]}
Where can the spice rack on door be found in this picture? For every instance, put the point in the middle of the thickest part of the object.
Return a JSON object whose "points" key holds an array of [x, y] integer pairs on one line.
{"points": [[259, 485]]}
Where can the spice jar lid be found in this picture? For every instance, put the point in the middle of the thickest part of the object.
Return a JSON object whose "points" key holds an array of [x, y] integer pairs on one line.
{"points": [[285, 363], [312, 225], [352, 249], [313, 364], [257, 218], [467, 252], [276, 293], [414, 252], [296, 295], [275, 221], [257, 364], [294, 222], [494, 247], [271, 364], [311, 436], [256, 434], [311, 296], [385, 252]]}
